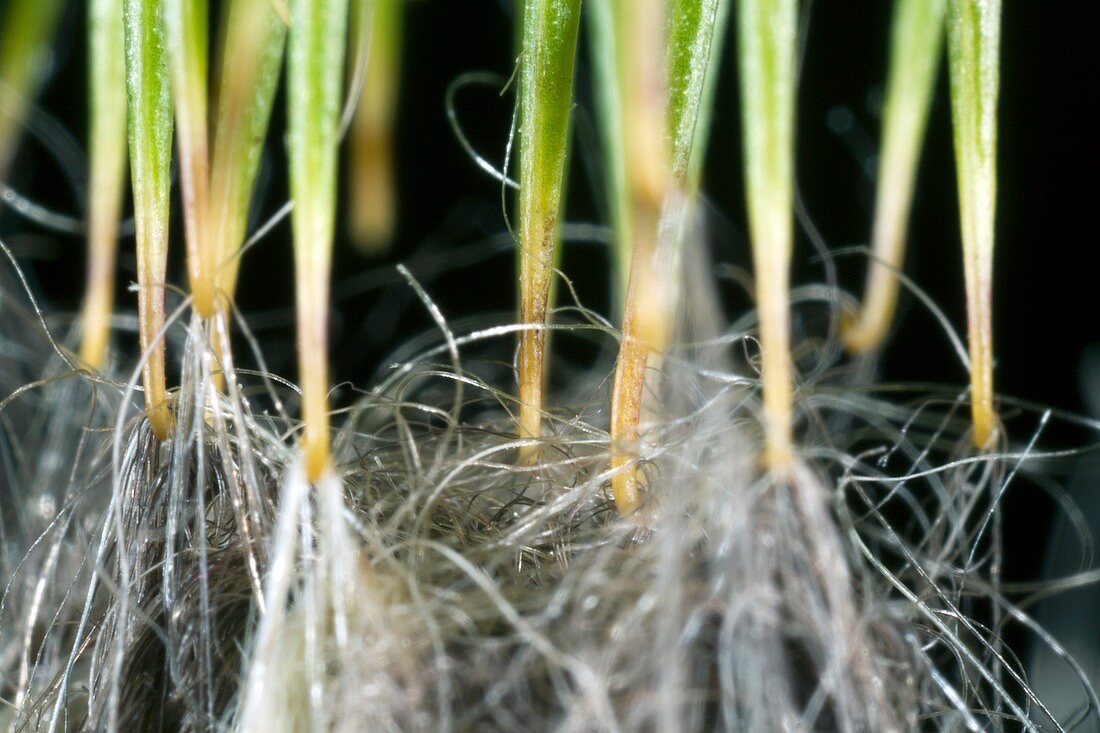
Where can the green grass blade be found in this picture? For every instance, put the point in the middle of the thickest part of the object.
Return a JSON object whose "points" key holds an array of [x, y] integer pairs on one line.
{"points": [[373, 205], [546, 99], [696, 28], [973, 52], [604, 33], [643, 79], [916, 42], [251, 58], [316, 50], [107, 148], [26, 29], [149, 111], [654, 88], [186, 24], [767, 37]]}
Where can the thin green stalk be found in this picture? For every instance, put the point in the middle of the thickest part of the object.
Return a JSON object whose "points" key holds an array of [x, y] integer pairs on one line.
{"points": [[693, 28], [186, 22], [251, 58], [149, 110], [767, 36], [546, 99], [916, 42], [688, 93], [26, 29], [107, 148], [316, 50], [604, 33], [373, 202], [644, 82], [973, 46], [696, 28], [660, 102]]}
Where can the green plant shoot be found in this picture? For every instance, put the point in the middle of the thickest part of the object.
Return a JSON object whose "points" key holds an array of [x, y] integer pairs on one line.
{"points": [[251, 58], [546, 99], [644, 82], [373, 206], [604, 33], [316, 50], [694, 25], [25, 34], [767, 36], [973, 50], [149, 110], [658, 138], [186, 23], [107, 148], [916, 42], [696, 28]]}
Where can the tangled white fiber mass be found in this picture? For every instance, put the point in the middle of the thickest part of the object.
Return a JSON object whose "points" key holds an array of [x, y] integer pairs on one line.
{"points": [[432, 583]]}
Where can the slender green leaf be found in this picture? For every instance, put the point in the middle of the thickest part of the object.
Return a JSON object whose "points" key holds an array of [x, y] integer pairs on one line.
{"points": [[546, 99], [696, 28], [973, 45], [643, 79], [604, 33], [767, 35], [654, 88], [26, 30], [693, 28], [373, 204], [107, 148], [251, 60], [916, 42], [149, 109], [188, 46], [316, 50]]}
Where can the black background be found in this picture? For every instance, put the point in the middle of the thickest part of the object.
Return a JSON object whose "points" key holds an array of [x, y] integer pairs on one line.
{"points": [[1047, 298]]}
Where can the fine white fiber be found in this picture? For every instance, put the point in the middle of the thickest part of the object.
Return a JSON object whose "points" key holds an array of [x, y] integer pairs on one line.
{"points": [[431, 583]]}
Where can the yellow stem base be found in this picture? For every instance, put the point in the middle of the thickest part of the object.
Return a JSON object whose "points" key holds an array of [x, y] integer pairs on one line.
{"points": [[626, 410]]}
